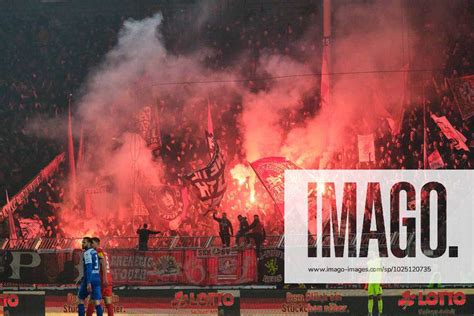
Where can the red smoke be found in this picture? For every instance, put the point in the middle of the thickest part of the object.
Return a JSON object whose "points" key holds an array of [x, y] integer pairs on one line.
{"points": [[267, 123]]}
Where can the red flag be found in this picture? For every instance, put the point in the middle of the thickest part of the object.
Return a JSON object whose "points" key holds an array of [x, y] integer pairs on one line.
{"points": [[435, 160], [72, 164], [450, 132], [32, 228], [271, 172]]}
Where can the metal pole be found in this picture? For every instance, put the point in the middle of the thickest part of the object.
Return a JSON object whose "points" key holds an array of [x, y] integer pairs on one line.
{"points": [[424, 128], [326, 55]]}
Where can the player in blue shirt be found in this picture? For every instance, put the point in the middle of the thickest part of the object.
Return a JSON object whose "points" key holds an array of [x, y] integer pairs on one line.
{"points": [[91, 281]]}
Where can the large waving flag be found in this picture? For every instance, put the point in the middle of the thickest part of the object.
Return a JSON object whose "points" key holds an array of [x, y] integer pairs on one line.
{"points": [[208, 183], [166, 201], [271, 172]]}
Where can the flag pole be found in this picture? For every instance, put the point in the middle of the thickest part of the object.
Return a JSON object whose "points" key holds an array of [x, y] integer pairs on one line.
{"points": [[80, 153], [158, 123], [210, 130], [72, 164], [11, 221]]}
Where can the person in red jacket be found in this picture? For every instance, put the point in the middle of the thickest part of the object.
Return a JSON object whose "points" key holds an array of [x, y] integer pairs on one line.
{"points": [[105, 279]]}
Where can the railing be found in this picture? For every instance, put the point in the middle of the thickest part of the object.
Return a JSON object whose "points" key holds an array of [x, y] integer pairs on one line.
{"points": [[174, 242], [22, 243]]}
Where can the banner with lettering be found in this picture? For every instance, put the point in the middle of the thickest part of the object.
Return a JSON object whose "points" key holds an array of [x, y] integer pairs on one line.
{"points": [[208, 184], [271, 266], [133, 267], [450, 132], [43, 175], [297, 300], [463, 92], [271, 172]]}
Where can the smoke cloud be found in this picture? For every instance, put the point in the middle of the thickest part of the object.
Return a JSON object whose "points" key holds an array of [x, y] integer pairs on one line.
{"points": [[141, 72]]}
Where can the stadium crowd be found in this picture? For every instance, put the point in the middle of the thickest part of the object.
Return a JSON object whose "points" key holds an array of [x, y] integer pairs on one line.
{"points": [[46, 58]]}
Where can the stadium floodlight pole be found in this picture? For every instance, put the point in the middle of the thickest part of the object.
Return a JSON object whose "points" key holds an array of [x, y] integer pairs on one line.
{"points": [[326, 55], [424, 127]]}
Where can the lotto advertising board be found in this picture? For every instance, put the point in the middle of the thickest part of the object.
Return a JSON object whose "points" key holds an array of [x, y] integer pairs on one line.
{"points": [[154, 302], [250, 302]]}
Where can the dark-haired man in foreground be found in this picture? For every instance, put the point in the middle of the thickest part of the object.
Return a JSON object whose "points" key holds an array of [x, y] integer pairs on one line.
{"points": [[90, 284], [105, 279]]}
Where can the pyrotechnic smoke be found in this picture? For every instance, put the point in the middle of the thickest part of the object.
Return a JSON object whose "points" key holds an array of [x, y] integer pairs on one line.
{"points": [[368, 38], [265, 111], [140, 71], [130, 79]]}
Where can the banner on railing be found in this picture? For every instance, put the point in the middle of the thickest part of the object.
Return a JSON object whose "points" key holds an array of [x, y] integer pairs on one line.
{"points": [[31, 267], [132, 267], [270, 266]]}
